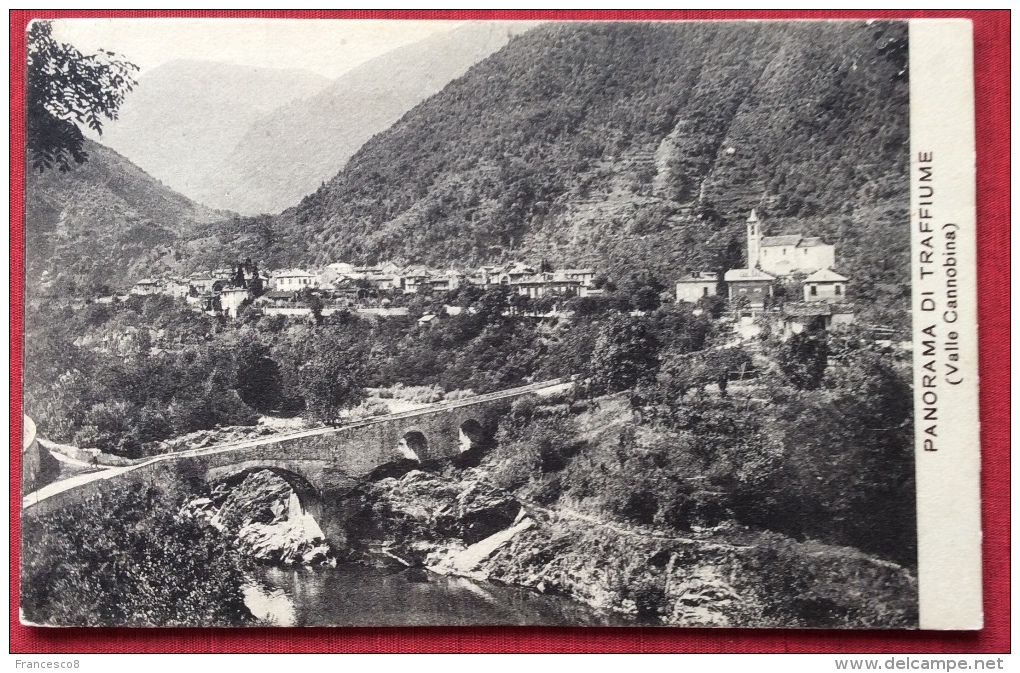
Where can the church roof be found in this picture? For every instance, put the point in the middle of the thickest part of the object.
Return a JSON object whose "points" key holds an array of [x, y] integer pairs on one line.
{"points": [[791, 240], [770, 241], [746, 274], [825, 276]]}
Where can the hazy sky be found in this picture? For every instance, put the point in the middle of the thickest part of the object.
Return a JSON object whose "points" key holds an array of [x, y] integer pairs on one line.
{"points": [[328, 47]]}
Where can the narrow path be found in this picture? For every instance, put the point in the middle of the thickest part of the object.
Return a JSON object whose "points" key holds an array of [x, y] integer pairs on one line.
{"points": [[622, 530]]}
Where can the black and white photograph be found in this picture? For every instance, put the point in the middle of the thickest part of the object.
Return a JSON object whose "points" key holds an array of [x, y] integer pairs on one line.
{"points": [[450, 323]]}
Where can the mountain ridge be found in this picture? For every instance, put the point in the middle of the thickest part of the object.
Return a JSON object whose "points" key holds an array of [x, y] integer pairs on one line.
{"points": [[185, 114], [105, 222], [637, 146], [301, 144]]}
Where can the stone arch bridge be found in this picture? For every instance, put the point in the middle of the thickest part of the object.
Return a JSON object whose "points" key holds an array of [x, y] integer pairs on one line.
{"points": [[320, 464]]}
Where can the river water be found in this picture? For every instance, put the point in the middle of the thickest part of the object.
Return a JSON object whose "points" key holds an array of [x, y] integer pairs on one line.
{"points": [[353, 595]]}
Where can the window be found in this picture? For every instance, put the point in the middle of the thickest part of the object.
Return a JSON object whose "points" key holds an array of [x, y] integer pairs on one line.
{"points": [[814, 290], [805, 251], [839, 290], [743, 290], [704, 292], [784, 251]]}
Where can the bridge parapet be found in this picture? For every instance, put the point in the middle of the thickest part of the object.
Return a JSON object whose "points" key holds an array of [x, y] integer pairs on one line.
{"points": [[327, 459]]}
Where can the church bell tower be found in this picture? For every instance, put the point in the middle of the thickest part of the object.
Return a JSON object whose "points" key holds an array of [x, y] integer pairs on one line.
{"points": [[753, 240]]}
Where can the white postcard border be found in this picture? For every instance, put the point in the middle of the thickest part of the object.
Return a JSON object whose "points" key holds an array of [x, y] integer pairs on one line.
{"points": [[944, 281]]}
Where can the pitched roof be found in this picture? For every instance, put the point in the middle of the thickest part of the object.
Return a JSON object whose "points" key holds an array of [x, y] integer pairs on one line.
{"points": [[291, 273], [825, 276], [791, 239], [772, 241], [701, 277], [746, 274], [806, 310]]}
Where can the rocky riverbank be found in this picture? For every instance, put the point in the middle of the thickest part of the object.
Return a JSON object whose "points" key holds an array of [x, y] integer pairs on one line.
{"points": [[461, 524], [264, 517]]}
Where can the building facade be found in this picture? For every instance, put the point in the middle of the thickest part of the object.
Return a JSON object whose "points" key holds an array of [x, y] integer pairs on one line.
{"points": [[697, 286], [825, 285], [787, 255]]}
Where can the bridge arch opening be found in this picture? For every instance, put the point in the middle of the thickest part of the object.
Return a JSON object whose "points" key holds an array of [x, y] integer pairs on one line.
{"points": [[308, 497], [414, 445], [471, 436]]}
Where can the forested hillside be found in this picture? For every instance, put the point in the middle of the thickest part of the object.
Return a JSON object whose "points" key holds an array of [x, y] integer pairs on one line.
{"points": [[624, 145], [104, 222]]}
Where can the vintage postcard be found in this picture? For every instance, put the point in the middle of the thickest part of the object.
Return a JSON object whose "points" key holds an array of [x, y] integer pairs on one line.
{"points": [[349, 323]]}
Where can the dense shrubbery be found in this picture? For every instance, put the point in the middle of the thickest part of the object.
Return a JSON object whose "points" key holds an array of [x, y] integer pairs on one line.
{"points": [[126, 557], [834, 464], [92, 377], [119, 376], [814, 450]]}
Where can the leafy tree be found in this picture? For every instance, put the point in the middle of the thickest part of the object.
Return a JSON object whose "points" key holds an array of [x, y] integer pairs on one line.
{"points": [[128, 558], [625, 353], [642, 291], [257, 376], [315, 303], [333, 379], [66, 88], [803, 359], [719, 365]]}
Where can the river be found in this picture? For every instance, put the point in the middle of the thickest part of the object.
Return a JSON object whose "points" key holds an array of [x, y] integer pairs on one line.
{"points": [[353, 595]]}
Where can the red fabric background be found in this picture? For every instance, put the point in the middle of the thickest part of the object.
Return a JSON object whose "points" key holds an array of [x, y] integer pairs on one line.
{"points": [[991, 40]]}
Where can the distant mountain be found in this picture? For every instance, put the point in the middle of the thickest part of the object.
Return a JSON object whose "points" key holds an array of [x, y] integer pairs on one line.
{"points": [[104, 222], [633, 146], [293, 150], [185, 117]]}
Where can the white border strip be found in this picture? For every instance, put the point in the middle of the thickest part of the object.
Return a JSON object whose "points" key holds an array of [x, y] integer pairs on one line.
{"points": [[944, 274]]}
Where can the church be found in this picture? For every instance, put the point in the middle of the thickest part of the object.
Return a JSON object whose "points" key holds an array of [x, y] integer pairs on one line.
{"points": [[772, 258], [784, 256]]}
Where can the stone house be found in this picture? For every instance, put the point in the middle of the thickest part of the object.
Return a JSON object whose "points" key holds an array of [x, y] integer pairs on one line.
{"points": [[231, 299], [825, 285], [293, 280], [696, 286], [547, 284], [146, 287], [798, 317], [754, 285]]}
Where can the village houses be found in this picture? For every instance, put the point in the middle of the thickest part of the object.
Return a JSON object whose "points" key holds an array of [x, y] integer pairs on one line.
{"points": [[751, 291]]}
